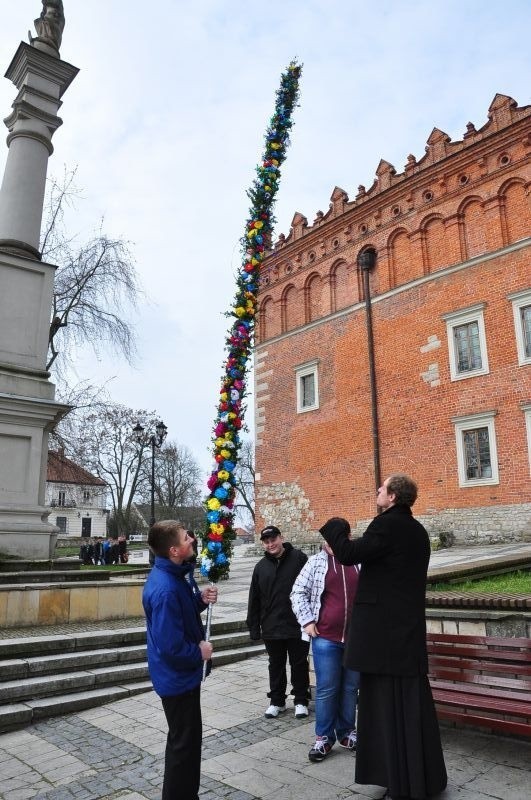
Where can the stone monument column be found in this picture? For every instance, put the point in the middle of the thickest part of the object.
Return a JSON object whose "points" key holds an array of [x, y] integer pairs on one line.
{"points": [[28, 409]]}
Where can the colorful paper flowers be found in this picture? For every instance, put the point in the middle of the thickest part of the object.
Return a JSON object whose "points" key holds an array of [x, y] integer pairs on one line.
{"points": [[217, 550]]}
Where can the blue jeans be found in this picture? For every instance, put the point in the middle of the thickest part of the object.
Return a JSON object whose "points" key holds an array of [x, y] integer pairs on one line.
{"points": [[336, 693]]}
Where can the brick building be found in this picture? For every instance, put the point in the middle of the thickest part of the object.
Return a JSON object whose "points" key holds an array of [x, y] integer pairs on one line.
{"points": [[394, 334]]}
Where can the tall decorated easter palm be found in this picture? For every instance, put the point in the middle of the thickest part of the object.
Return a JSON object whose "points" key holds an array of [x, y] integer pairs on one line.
{"points": [[218, 538]]}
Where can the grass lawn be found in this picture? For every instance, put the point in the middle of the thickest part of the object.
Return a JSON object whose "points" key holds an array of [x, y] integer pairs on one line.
{"points": [[511, 582], [74, 549]]}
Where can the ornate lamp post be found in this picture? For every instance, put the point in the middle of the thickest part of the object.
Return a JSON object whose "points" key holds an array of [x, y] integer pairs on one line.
{"points": [[155, 441]]}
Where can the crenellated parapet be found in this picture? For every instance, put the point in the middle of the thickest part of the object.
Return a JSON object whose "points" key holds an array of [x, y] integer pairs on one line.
{"points": [[503, 112], [461, 199]]}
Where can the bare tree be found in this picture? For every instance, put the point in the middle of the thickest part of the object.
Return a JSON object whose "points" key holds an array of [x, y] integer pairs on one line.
{"points": [[106, 445], [83, 398], [245, 477], [178, 480], [95, 284]]}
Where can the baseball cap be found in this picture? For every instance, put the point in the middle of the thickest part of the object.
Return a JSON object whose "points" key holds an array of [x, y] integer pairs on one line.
{"points": [[269, 531]]}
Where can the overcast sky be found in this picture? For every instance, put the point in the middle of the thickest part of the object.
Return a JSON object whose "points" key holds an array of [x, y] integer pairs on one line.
{"points": [[166, 121]]}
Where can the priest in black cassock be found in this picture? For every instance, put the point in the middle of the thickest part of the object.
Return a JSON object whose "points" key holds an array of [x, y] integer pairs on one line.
{"points": [[399, 744]]}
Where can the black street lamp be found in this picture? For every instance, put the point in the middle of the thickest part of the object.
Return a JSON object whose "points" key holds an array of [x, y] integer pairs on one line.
{"points": [[155, 441]]}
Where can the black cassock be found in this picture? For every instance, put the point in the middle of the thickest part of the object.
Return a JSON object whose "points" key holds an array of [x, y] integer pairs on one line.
{"points": [[399, 745]]}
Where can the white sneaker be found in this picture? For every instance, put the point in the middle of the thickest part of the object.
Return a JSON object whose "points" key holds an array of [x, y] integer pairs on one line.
{"points": [[301, 711], [274, 711]]}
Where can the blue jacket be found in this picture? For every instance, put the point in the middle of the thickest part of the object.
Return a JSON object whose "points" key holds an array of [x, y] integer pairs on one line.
{"points": [[172, 604]]}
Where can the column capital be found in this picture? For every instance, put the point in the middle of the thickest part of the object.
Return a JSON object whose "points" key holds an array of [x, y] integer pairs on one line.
{"points": [[29, 62], [41, 80]]}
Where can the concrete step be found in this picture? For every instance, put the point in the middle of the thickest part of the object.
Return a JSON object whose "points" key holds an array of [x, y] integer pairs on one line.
{"points": [[237, 654], [25, 711], [63, 643], [49, 685], [223, 635], [228, 646], [18, 715], [67, 662], [47, 675], [222, 641]]}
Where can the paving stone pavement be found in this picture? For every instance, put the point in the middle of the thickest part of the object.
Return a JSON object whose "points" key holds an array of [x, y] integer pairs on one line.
{"points": [[115, 752]]}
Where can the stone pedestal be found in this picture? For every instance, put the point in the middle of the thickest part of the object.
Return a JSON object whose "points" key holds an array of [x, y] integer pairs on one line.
{"points": [[24, 426], [28, 410], [27, 407]]}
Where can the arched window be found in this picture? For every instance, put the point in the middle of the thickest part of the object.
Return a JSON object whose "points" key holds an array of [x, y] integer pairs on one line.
{"points": [[516, 210], [292, 309], [403, 267], [473, 225], [313, 298], [341, 291], [434, 239], [266, 318]]}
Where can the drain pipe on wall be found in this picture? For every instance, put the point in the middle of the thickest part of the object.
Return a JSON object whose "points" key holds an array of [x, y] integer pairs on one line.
{"points": [[366, 262]]}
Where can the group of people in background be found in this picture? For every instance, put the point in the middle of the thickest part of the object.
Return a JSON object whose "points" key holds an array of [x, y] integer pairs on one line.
{"points": [[359, 602], [104, 551]]}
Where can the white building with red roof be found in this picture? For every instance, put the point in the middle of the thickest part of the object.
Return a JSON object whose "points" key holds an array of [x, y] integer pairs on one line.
{"points": [[77, 498]]}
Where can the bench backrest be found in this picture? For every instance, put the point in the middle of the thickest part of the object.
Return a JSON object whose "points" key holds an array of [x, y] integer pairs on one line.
{"points": [[480, 659]]}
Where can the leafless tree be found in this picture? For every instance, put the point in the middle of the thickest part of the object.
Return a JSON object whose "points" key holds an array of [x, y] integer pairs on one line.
{"points": [[178, 480], [83, 398], [107, 447], [95, 284], [245, 477]]}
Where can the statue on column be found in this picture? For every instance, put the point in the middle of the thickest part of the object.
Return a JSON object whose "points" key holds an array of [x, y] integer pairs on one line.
{"points": [[50, 24]]}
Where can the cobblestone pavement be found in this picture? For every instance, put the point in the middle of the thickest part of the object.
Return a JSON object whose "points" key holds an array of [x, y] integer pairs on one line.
{"points": [[115, 752]]}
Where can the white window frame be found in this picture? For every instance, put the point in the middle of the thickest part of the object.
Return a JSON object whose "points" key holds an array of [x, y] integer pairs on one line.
{"points": [[519, 300], [526, 408], [302, 371], [471, 422], [465, 317]]}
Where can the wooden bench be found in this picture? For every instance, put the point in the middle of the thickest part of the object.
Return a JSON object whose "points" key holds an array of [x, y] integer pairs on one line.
{"points": [[482, 680]]}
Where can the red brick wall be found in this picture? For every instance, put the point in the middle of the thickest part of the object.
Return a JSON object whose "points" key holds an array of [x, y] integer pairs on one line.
{"points": [[462, 202]]}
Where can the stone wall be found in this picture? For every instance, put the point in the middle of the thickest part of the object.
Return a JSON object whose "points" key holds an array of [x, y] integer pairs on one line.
{"points": [[478, 526], [58, 604], [286, 505], [479, 623]]}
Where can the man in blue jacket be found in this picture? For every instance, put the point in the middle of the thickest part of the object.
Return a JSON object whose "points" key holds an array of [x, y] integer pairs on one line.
{"points": [[176, 650]]}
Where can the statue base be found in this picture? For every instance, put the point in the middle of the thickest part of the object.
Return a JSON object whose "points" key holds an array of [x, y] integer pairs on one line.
{"points": [[44, 46], [25, 534]]}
